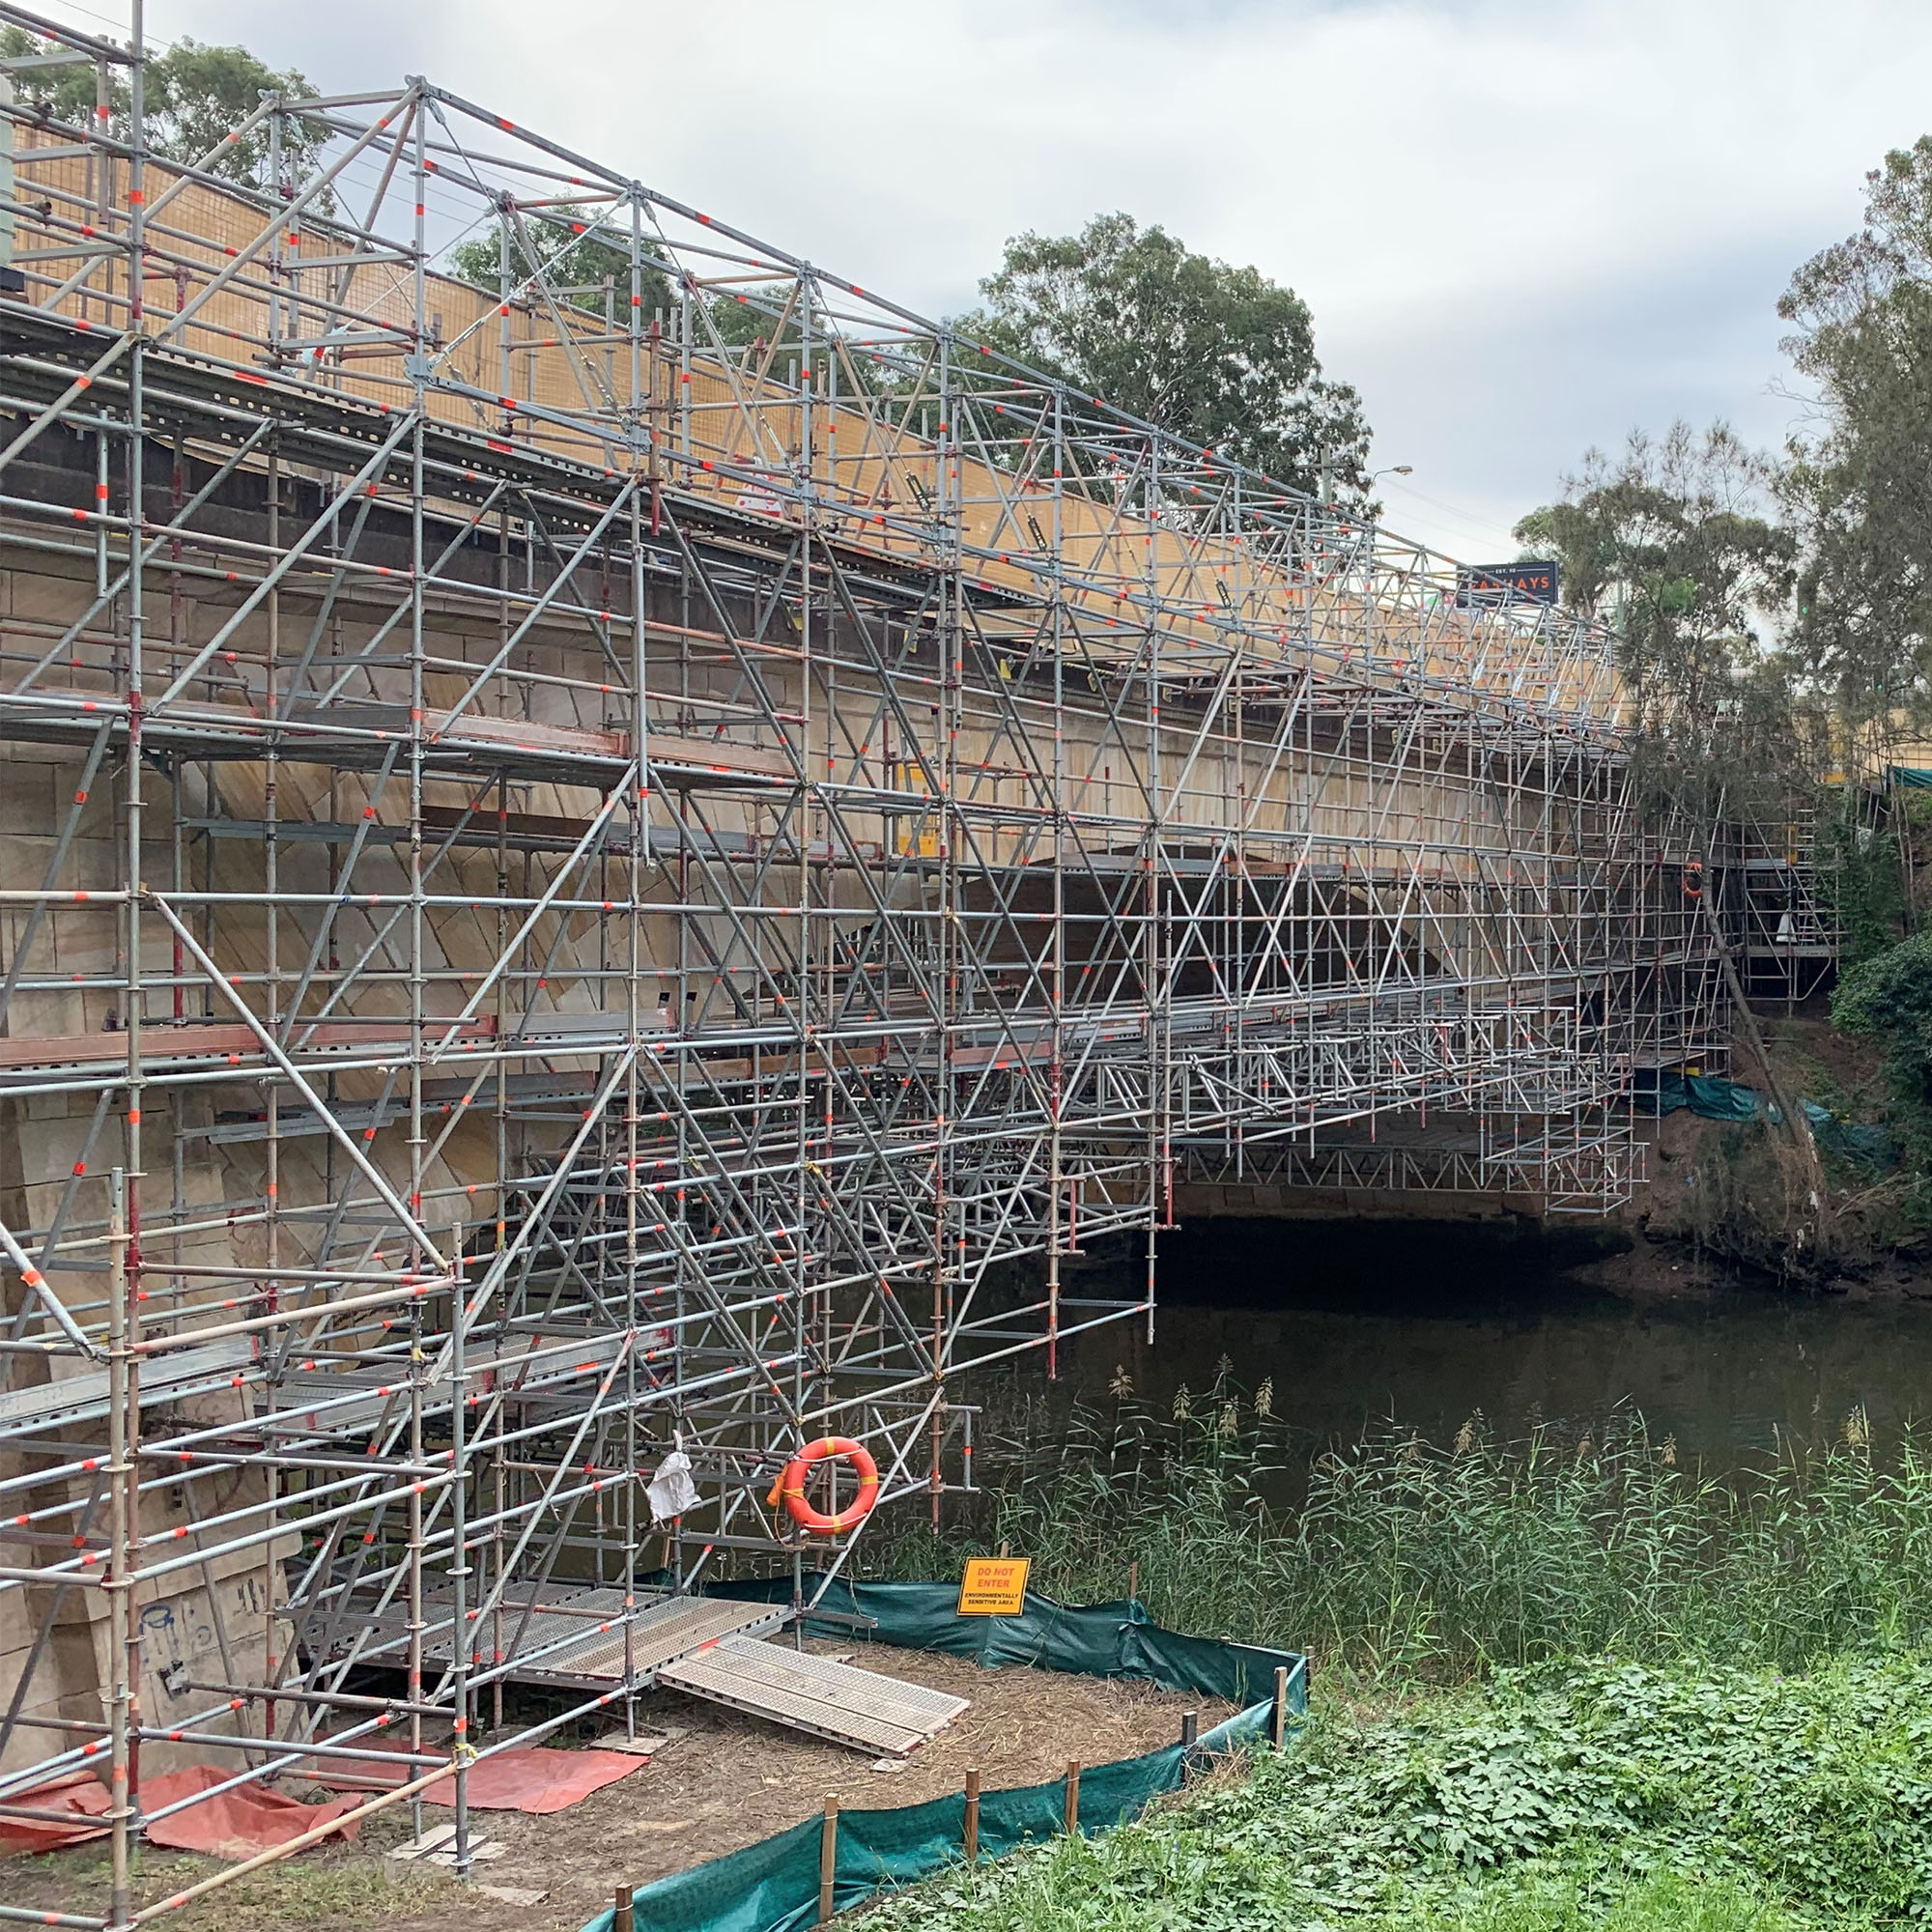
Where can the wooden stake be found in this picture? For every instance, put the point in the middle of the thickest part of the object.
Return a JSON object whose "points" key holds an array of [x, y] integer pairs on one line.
{"points": [[973, 1817], [1134, 1580], [1280, 1704], [828, 1859], [621, 1918], [1073, 1799]]}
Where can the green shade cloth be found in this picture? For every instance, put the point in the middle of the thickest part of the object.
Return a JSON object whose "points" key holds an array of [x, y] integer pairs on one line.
{"points": [[1911, 776], [1113, 1639], [773, 1886], [1716, 1099], [1850, 1139], [1706, 1095]]}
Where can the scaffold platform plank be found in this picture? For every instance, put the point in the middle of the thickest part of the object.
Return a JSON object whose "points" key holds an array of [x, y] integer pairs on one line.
{"points": [[164, 1379], [574, 1636], [663, 1635], [860, 1708]]}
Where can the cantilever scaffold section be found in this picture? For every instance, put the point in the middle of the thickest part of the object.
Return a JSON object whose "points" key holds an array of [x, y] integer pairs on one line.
{"points": [[590, 855]]}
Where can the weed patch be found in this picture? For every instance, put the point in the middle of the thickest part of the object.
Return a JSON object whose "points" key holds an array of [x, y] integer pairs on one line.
{"points": [[1613, 1796]]}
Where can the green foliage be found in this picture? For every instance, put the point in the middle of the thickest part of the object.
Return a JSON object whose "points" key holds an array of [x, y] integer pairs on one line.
{"points": [[574, 263], [762, 327], [194, 96], [1402, 1560], [1861, 491], [1571, 1898], [1863, 886], [1672, 546], [1889, 998], [67, 93], [534, 248], [1610, 1795], [1219, 355]]}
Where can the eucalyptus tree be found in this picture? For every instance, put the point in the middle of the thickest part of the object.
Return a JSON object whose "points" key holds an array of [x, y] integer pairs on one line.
{"points": [[1859, 486], [1676, 546], [194, 97]]}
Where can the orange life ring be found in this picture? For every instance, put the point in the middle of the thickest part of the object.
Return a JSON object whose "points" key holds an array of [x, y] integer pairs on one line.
{"points": [[1694, 879], [790, 1485]]}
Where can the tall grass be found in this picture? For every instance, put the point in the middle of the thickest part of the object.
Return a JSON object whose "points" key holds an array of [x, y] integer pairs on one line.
{"points": [[1437, 1562]]}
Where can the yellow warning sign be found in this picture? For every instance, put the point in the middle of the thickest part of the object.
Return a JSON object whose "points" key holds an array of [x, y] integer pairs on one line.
{"points": [[994, 1586]]}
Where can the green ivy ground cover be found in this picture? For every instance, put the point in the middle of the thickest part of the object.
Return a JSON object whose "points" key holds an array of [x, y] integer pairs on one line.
{"points": [[1612, 1796]]}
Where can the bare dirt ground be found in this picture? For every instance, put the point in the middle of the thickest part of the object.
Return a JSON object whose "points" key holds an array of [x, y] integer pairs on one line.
{"points": [[725, 1782]]}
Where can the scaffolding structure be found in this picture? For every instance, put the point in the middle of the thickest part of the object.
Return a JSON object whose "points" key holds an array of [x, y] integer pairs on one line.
{"points": [[1772, 884], [592, 860]]}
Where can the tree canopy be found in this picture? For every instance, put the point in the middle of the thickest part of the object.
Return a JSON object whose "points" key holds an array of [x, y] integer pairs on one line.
{"points": [[1757, 598], [192, 96], [1859, 486], [1676, 546], [528, 243], [1217, 354]]}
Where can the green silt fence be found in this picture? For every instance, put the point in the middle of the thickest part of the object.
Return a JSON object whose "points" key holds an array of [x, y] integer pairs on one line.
{"points": [[773, 1886], [1715, 1099]]}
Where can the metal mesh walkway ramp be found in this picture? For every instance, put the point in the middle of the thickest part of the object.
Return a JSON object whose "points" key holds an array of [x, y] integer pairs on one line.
{"points": [[831, 1700], [665, 1632]]}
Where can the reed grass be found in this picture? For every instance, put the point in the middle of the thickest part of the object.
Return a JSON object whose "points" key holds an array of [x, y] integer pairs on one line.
{"points": [[1396, 1559]]}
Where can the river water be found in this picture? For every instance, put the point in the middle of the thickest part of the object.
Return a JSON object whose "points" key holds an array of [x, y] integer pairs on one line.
{"points": [[1361, 1323]]}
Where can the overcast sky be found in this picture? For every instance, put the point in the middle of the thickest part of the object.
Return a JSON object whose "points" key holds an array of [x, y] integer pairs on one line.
{"points": [[1523, 225]]}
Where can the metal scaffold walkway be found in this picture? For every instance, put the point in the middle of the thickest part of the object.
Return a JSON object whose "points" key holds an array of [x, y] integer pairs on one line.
{"points": [[595, 859]]}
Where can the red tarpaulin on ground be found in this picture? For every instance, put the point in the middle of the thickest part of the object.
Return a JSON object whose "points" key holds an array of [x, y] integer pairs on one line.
{"points": [[237, 1825], [251, 1819], [534, 1779], [80, 1796], [538, 1780]]}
